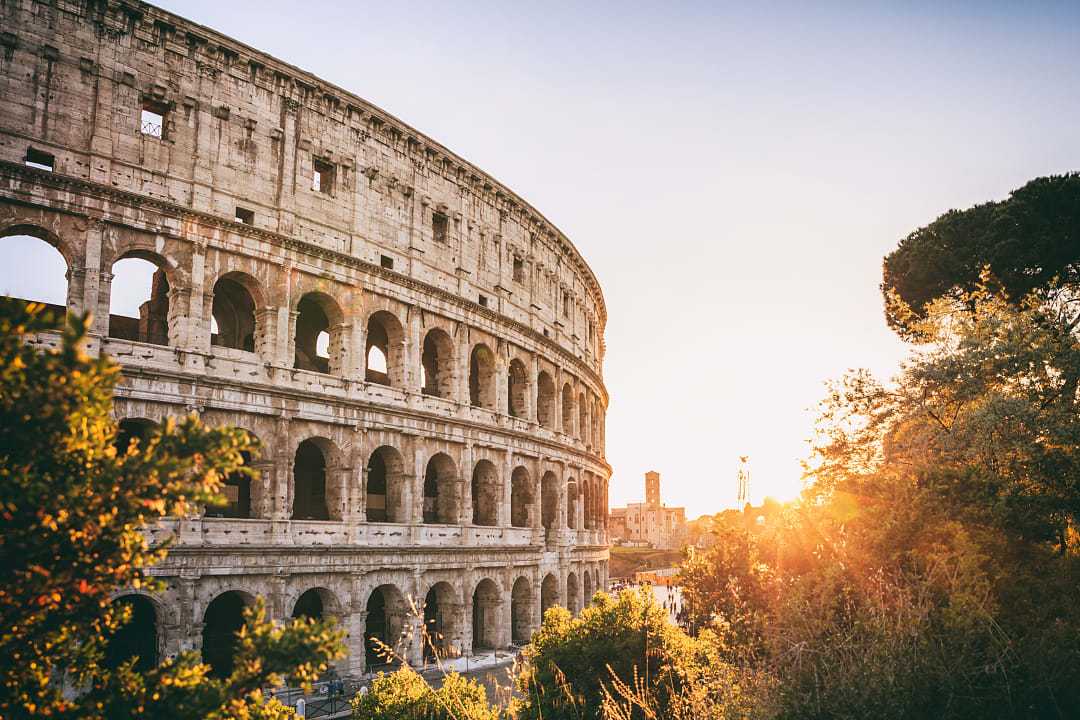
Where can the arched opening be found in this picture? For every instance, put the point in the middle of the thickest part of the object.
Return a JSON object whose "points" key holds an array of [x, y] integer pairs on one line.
{"points": [[549, 496], [521, 610], [384, 624], [517, 386], [545, 400], [317, 334], [482, 377], [442, 623], [236, 489], [233, 321], [437, 364], [309, 483], [47, 283], [549, 592], [521, 499], [137, 430], [485, 494], [385, 350], [583, 419], [223, 619], [567, 409], [485, 615], [573, 596], [384, 484], [440, 490], [314, 604], [138, 638], [587, 582], [571, 504], [139, 299]]}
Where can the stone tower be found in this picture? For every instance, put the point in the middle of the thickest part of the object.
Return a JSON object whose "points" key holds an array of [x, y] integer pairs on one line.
{"points": [[652, 489]]}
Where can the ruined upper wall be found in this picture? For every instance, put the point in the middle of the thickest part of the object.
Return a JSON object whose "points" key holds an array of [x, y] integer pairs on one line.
{"points": [[245, 131]]}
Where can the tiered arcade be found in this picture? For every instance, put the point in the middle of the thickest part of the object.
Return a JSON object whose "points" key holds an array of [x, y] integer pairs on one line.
{"points": [[418, 350]]}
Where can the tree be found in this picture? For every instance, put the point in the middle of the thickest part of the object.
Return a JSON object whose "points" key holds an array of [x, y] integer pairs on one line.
{"points": [[405, 695], [72, 510], [622, 658], [1027, 241]]}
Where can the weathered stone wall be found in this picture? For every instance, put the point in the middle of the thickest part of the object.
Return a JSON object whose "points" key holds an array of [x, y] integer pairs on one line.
{"points": [[403, 245]]}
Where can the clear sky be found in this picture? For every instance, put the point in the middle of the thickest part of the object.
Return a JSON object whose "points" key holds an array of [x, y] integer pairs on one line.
{"points": [[733, 173]]}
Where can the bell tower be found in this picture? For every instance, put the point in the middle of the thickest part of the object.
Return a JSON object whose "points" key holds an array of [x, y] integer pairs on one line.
{"points": [[652, 489]]}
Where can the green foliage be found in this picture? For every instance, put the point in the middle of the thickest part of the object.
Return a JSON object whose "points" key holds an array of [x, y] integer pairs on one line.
{"points": [[405, 695], [621, 655], [1027, 241], [72, 510]]}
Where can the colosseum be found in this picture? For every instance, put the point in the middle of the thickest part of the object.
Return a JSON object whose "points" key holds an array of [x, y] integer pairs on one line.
{"points": [[417, 349]]}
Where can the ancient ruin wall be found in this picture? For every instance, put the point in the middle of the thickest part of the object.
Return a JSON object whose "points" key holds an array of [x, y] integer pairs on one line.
{"points": [[277, 207]]}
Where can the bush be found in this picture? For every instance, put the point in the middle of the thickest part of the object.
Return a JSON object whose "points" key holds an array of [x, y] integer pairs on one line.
{"points": [[405, 695]]}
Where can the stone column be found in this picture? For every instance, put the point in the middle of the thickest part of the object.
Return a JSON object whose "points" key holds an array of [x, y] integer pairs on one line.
{"points": [[413, 351], [530, 394], [100, 326], [467, 624], [276, 602], [466, 485], [288, 356]]}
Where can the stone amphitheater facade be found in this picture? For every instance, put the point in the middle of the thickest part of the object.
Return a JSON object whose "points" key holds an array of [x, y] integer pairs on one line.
{"points": [[417, 349]]}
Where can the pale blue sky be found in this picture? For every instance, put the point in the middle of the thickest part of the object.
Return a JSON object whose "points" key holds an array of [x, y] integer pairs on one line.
{"points": [[733, 174]]}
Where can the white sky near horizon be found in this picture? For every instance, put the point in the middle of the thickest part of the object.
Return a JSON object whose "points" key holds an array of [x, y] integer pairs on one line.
{"points": [[733, 173]]}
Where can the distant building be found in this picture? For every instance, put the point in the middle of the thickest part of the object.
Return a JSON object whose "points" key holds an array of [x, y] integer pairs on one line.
{"points": [[649, 522]]}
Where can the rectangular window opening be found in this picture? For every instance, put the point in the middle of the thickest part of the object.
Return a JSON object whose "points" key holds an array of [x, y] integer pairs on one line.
{"points": [[438, 227], [40, 160], [386, 262], [153, 117], [519, 270], [566, 304], [483, 300], [245, 216], [322, 177]]}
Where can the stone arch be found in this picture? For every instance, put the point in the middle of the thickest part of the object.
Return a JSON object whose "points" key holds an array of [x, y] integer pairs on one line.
{"points": [[567, 409], [30, 246], [571, 504], [242, 493], [485, 493], [517, 389], [545, 400], [221, 621], [549, 592], [549, 498], [133, 429], [19, 226], [385, 346], [316, 603], [437, 360], [443, 622], [485, 615], [573, 594], [317, 336], [521, 497], [482, 370], [140, 637], [385, 486], [155, 314], [383, 634], [521, 611], [440, 490], [312, 490], [237, 298]]}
